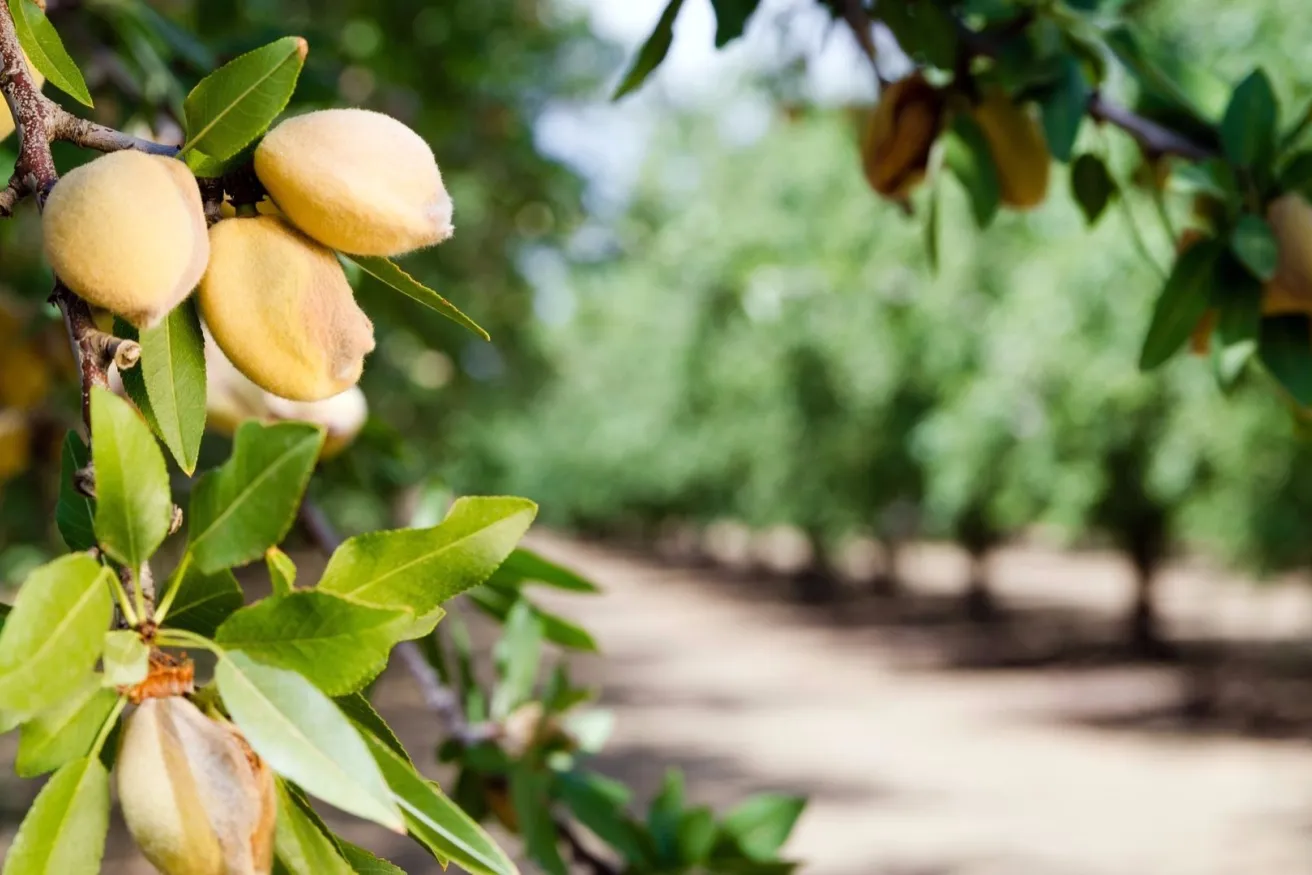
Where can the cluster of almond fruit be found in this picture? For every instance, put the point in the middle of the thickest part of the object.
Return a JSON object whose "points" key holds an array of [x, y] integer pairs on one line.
{"points": [[901, 132], [127, 232]]}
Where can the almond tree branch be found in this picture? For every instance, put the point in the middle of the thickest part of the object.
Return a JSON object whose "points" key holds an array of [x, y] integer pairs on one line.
{"points": [[63, 125], [35, 173], [1153, 137]]}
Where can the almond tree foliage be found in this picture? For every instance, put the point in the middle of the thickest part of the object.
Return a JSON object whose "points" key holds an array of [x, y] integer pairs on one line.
{"points": [[1113, 93], [819, 374], [97, 638]]}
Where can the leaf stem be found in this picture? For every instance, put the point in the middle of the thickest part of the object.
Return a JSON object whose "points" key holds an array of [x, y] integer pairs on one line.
{"points": [[174, 584], [121, 596], [183, 638], [108, 726], [138, 596]]}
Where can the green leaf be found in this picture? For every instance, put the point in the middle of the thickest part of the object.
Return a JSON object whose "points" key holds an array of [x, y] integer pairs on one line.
{"points": [[1064, 106], [1183, 301], [304, 737], [46, 51], [282, 571], [67, 731], [237, 102], [421, 568], [1213, 176], [340, 646], [126, 658], [967, 155], [390, 274], [134, 506], [598, 803], [64, 832], [204, 601], [530, 793], [363, 715], [437, 822], [1092, 185], [517, 654], [1296, 175], [1254, 244], [761, 825], [497, 602], [74, 512], [1123, 43], [731, 19], [1237, 296], [1251, 123], [54, 635], [1286, 351], [926, 32], [301, 846], [365, 863], [696, 835], [172, 369], [247, 506], [653, 51], [526, 566], [664, 815], [133, 381], [933, 217]]}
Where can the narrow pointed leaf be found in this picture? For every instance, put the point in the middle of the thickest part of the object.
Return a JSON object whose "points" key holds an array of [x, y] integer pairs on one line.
{"points": [[64, 831], [74, 512], [134, 506], [731, 19], [365, 863], [363, 715], [526, 566], [421, 568], [653, 51], [305, 737], [1182, 302], [66, 732], [237, 102], [54, 635], [1251, 124], [437, 822], [301, 846], [338, 645], [282, 571], [46, 51], [388, 273], [204, 601], [172, 369], [247, 506], [762, 824]]}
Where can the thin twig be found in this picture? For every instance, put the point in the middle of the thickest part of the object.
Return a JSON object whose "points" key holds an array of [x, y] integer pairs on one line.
{"points": [[63, 125], [1155, 138], [583, 855]]}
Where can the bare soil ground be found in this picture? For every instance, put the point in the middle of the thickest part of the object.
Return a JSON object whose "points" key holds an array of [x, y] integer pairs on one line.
{"points": [[933, 746]]}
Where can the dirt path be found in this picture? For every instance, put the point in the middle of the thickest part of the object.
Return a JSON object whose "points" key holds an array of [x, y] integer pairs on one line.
{"points": [[915, 765], [916, 771]]}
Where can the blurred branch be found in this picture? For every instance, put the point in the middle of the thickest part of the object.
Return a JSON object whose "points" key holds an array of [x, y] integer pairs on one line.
{"points": [[582, 854], [1154, 138]]}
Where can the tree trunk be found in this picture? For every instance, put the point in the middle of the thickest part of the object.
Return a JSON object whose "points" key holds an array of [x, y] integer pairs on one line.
{"points": [[888, 582], [816, 583], [979, 602], [1145, 632]]}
